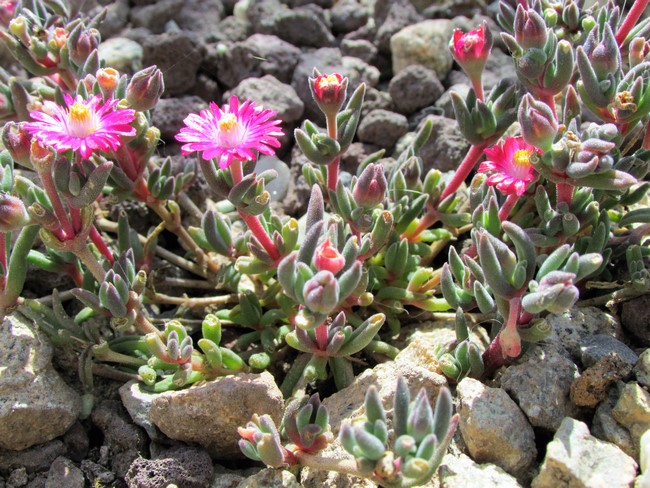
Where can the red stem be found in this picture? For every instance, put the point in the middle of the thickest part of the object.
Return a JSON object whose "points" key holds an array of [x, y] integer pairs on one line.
{"points": [[471, 158], [321, 336], [252, 221], [630, 21], [478, 87], [549, 100], [508, 205], [333, 167], [57, 204], [101, 246], [564, 193]]}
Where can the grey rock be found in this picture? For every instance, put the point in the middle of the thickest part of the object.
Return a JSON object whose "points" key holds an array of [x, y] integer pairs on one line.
{"points": [[448, 8], [117, 16], [570, 329], [444, 102], [445, 148], [188, 467], [605, 427], [122, 439], [155, 16], [459, 471], [279, 186], [17, 478], [206, 88], [423, 43], [642, 369], [201, 17], [376, 100], [359, 48], [301, 3], [271, 478], [97, 473], [295, 203], [311, 478], [63, 472], [357, 69], [494, 429], [302, 26], [259, 55], [177, 56], [122, 54], [382, 128], [36, 405], [598, 346], [576, 459], [390, 17], [272, 94], [632, 411], [232, 29], [209, 414], [137, 402], [541, 383], [76, 442], [169, 114], [357, 152], [348, 15], [413, 88], [636, 319], [37, 458]]}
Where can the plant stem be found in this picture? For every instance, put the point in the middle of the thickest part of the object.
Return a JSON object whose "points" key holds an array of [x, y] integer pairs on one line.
{"points": [[90, 261], [630, 21], [252, 221], [508, 205], [345, 466], [549, 100], [321, 335], [564, 193], [195, 302], [465, 168], [478, 87], [3, 260], [101, 246], [143, 326], [646, 138], [333, 167], [57, 204]]}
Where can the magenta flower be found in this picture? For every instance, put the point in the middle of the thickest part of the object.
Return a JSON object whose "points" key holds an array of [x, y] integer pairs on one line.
{"points": [[510, 162], [84, 126], [230, 133]]}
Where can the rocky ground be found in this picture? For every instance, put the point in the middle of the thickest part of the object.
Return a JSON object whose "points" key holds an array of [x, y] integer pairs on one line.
{"points": [[569, 413]]}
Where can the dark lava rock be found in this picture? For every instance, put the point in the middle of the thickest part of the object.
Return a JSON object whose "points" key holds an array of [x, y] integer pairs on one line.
{"points": [[413, 88], [269, 92], [392, 16], [37, 458], [348, 15], [186, 467], [169, 114], [382, 128], [446, 147], [596, 347], [635, 317], [359, 48]]}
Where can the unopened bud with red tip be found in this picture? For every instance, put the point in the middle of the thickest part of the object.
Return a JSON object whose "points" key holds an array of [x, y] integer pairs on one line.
{"points": [[107, 79], [472, 49], [510, 341], [530, 29], [7, 11], [329, 91], [145, 89], [537, 121], [81, 43], [639, 50], [328, 258], [17, 141], [13, 214], [321, 293], [40, 157], [370, 189]]}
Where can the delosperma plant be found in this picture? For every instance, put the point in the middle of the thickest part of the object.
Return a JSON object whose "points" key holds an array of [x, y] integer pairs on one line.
{"points": [[557, 199]]}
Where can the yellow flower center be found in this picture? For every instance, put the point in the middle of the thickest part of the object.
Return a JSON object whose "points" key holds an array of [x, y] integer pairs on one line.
{"points": [[327, 81], [522, 157], [79, 113], [228, 123]]}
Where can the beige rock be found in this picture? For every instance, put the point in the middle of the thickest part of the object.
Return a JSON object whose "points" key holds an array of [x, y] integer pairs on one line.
{"points": [[210, 413], [424, 43], [633, 410]]}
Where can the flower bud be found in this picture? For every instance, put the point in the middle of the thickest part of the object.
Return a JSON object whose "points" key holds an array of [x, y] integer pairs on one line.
{"points": [[639, 49], [510, 342], [13, 214], [321, 293], [40, 156], [530, 29], [145, 88], [328, 258], [370, 189], [81, 43], [17, 141], [538, 124], [471, 50], [329, 92], [108, 78], [604, 54], [7, 11]]}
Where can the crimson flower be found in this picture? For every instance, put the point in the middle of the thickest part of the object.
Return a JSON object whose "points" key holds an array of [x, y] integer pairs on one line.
{"points": [[510, 163], [231, 133], [328, 258], [471, 49], [329, 91], [83, 126]]}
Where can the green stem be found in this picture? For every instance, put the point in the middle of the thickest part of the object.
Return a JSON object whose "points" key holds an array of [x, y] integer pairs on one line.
{"points": [[90, 261]]}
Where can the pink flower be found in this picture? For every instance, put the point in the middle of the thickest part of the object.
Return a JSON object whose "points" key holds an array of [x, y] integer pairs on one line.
{"points": [[230, 133], [328, 258], [510, 162], [471, 49], [84, 125]]}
